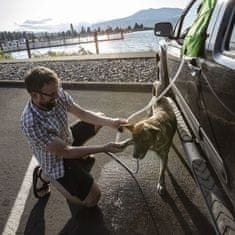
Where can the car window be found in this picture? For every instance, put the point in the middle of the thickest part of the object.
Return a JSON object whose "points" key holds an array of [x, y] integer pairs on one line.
{"points": [[229, 48], [176, 29], [189, 18], [232, 40]]}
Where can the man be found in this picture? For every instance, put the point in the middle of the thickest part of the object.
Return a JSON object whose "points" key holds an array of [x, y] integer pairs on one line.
{"points": [[63, 161]]}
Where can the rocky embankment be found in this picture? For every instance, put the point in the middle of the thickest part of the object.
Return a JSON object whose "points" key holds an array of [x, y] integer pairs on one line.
{"points": [[105, 70]]}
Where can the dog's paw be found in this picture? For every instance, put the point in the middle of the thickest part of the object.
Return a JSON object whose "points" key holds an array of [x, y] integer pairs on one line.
{"points": [[161, 189]]}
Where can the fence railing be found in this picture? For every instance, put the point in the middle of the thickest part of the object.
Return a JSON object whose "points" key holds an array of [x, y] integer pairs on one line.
{"points": [[39, 44]]}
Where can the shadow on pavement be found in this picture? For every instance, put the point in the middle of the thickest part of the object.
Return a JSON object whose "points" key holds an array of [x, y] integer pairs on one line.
{"points": [[85, 221], [36, 222], [199, 220], [180, 156]]}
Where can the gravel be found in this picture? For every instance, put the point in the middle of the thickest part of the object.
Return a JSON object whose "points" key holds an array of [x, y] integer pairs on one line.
{"points": [[105, 70]]}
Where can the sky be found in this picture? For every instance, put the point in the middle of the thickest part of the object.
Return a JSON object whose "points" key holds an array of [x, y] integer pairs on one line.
{"points": [[22, 15]]}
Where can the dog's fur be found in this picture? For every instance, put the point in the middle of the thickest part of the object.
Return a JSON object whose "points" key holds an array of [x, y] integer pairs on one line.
{"points": [[155, 133]]}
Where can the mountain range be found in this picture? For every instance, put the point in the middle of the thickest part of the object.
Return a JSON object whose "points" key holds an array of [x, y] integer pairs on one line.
{"points": [[147, 17]]}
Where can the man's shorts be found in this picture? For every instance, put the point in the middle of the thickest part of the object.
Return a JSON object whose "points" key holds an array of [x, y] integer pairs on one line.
{"points": [[77, 180]]}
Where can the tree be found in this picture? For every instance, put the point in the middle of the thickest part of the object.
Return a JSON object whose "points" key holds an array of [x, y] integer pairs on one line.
{"points": [[72, 29], [88, 30], [136, 26], [129, 28], [109, 29], [83, 31], [68, 33], [117, 29]]}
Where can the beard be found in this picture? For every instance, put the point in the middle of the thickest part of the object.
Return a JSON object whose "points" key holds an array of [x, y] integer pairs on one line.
{"points": [[48, 106]]}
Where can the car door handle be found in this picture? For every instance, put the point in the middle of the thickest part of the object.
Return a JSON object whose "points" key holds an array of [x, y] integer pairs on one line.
{"points": [[195, 70]]}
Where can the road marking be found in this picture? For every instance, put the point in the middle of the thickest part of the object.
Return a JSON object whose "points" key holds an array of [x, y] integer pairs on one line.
{"points": [[17, 210]]}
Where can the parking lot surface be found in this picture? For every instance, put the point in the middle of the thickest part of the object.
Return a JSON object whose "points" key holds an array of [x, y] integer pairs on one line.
{"points": [[122, 208]]}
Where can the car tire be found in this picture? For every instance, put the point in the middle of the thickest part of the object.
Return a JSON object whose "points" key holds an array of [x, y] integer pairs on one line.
{"points": [[223, 219]]}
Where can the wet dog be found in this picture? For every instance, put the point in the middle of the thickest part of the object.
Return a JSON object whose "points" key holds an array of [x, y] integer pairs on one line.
{"points": [[155, 133]]}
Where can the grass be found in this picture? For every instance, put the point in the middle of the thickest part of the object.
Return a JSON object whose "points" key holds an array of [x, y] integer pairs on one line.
{"points": [[4, 56], [80, 52]]}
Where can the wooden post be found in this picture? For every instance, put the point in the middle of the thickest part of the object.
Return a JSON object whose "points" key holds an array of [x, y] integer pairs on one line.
{"points": [[28, 48], [1, 47], [96, 42], [122, 37]]}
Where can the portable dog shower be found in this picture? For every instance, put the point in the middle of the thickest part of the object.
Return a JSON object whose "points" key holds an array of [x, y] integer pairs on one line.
{"points": [[196, 36]]}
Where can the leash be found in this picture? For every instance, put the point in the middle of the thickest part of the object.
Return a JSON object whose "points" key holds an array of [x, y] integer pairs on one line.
{"points": [[114, 157], [156, 99], [153, 100], [118, 135]]}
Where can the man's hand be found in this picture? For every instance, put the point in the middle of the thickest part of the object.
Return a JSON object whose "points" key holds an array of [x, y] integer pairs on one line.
{"points": [[117, 122], [114, 147]]}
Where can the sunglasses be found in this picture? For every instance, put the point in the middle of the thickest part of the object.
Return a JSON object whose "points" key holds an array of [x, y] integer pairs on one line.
{"points": [[52, 95]]}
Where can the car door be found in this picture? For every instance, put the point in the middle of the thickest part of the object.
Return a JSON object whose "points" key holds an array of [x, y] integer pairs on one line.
{"points": [[218, 92], [205, 89], [187, 84]]}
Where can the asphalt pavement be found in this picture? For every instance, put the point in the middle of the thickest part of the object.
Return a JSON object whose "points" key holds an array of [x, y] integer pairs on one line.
{"points": [[122, 208]]}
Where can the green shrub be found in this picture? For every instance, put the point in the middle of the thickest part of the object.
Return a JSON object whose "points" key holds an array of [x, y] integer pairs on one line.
{"points": [[80, 52], [4, 56]]}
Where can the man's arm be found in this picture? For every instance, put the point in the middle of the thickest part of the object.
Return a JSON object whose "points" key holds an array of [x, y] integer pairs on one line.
{"points": [[94, 118], [63, 150]]}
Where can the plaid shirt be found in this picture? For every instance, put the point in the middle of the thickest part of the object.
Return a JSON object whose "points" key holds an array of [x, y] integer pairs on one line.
{"points": [[41, 127]]}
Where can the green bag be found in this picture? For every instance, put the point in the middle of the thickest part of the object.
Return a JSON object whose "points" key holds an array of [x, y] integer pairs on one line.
{"points": [[196, 35]]}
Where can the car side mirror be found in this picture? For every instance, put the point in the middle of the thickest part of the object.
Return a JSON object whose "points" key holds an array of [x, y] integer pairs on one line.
{"points": [[163, 29]]}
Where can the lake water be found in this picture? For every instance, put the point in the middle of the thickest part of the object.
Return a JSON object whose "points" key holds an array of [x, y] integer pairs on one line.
{"points": [[133, 42]]}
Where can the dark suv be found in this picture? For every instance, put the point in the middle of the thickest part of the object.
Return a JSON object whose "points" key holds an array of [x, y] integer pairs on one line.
{"points": [[205, 95]]}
